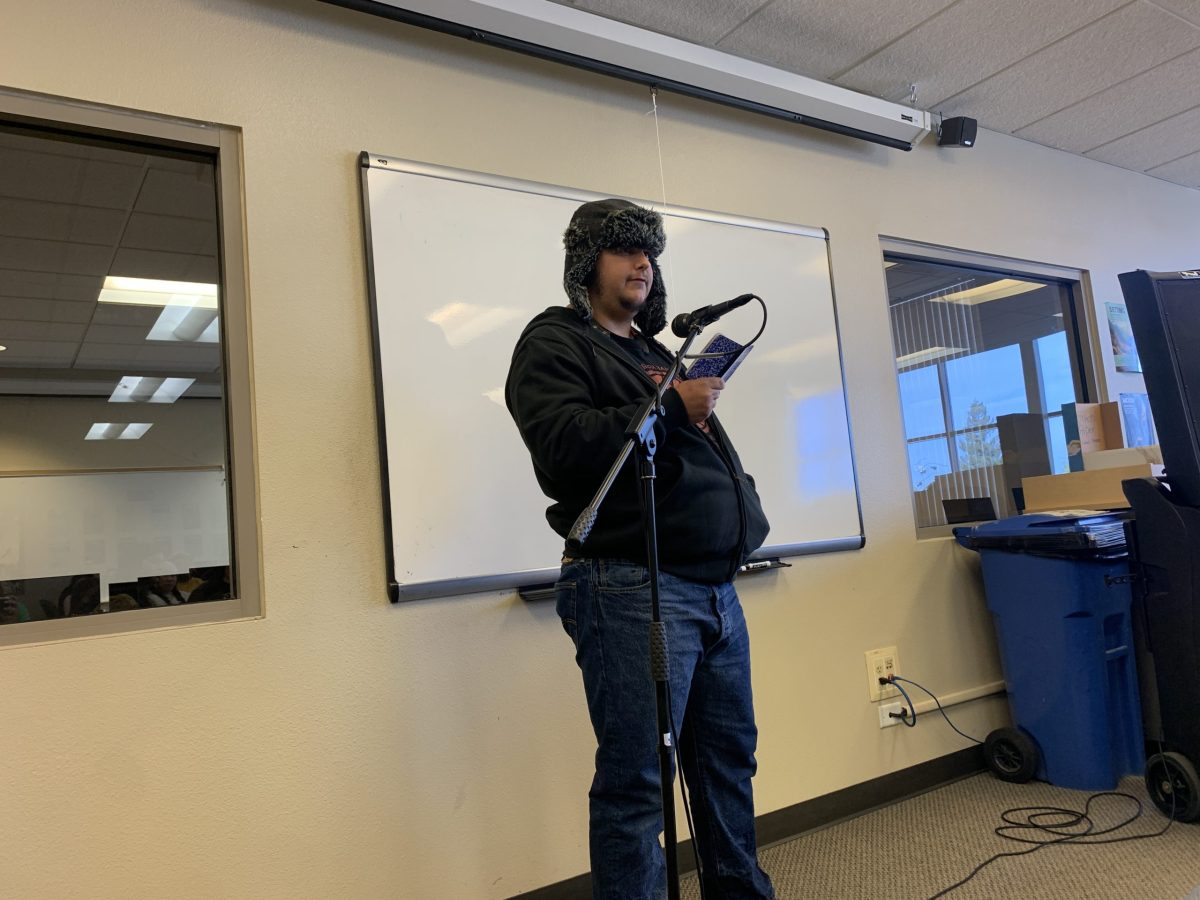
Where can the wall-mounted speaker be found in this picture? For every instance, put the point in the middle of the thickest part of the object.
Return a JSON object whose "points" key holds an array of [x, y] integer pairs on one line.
{"points": [[957, 132]]}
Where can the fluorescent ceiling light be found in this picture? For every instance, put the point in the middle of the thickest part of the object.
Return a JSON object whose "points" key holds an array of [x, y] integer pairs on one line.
{"points": [[117, 431], [134, 430], [929, 353], [1005, 287], [193, 324], [154, 292], [2, 348], [143, 389]]}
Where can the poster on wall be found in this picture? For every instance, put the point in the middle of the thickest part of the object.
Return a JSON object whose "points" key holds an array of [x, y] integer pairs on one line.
{"points": [[1125, 353]]}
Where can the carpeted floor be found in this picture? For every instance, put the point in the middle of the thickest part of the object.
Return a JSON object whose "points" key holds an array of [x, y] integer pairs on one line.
{"points": [[918, 847]]}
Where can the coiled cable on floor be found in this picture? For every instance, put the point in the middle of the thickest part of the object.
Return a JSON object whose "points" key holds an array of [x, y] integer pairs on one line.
{"points": [[1045, 826]]}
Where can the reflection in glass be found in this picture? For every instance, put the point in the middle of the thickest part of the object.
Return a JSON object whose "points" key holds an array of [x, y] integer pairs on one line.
{"points": [[977, 352], [109, 293], [921, 399], [985, 385]]}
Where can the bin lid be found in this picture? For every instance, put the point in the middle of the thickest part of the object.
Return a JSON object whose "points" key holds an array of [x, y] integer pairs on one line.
{"points": [[1086, 533]]}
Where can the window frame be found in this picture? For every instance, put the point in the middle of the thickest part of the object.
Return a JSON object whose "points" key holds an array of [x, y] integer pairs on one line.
{"points": [[224, 144], [1082, 330]]}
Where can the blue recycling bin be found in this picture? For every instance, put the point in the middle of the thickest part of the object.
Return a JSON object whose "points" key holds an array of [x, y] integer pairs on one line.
{"points": [[1058, 588]]}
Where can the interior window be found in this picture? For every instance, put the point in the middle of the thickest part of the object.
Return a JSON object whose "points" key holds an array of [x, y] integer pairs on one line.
{"points": [[985, 359], [114, 452]]}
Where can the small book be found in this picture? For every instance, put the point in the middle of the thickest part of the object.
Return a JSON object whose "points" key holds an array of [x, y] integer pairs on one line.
{"points": [[723, 366]]}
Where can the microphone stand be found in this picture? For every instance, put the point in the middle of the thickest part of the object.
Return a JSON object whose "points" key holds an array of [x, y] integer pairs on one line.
{"points": [[640, 433]]}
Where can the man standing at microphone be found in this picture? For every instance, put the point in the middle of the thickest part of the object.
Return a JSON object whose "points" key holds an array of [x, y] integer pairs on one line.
{"points": [[578, 375]]}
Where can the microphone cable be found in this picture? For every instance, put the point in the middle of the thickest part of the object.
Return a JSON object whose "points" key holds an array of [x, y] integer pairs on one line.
{"points": [[750, 343], [1045, 823]]}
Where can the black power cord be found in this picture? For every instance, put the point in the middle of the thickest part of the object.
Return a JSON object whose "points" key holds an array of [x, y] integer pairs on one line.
{"points": [[1033, 818], [894, 679]]}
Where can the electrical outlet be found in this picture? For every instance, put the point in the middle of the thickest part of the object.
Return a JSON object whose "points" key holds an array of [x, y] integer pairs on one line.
{"points": [[885, 714], [882, 663]]}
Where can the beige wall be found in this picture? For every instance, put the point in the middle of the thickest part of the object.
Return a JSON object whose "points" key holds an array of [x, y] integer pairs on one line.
{"points": [[341, 747]]}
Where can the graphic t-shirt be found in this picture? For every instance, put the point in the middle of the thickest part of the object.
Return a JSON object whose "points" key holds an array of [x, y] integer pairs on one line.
{"points": [[653, 365]]}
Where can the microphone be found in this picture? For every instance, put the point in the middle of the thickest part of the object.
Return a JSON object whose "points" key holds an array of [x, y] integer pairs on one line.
{"points": [[706, 315]]}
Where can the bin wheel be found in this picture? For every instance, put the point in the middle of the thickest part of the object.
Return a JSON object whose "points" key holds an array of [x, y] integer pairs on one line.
{"points": [[1173, 786], [1011, 754]]}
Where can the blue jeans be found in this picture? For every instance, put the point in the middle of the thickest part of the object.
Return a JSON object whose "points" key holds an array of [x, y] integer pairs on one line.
{"points": [[605, 607]]}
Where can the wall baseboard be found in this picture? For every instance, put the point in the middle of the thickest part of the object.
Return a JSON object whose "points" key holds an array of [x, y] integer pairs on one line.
{"points": [[811, 815]]}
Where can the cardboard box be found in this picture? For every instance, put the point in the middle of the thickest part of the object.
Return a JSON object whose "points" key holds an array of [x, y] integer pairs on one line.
{"points": [[1126, 456], [1023, 449], [1090, 427], [1097, 489]]}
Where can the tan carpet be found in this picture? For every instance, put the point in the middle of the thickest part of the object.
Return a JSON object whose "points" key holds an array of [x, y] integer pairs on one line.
{"points": [[918, 847]]}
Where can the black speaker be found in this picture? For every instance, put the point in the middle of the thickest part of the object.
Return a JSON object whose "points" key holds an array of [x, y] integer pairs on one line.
{"points": [[957, 132]]}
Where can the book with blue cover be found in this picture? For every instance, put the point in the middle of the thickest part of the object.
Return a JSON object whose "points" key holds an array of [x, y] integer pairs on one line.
{"points": [[723, 366]]}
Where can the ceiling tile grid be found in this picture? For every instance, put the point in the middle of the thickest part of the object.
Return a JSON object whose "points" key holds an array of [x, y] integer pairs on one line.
{"points": [[54, 256], [1188, 10], [1114, 48], [1183, 171], [1162, 143], [17, 330], [134, 263], [26, 309], [72, 214], [960, 47], [175, 234], [48, 285], [1077, 75], [1144, 100], [820, 38], [59, 221], [171, 193]]}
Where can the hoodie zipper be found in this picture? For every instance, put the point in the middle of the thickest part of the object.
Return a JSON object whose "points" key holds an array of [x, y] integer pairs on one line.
{"points": [[722, 450]]}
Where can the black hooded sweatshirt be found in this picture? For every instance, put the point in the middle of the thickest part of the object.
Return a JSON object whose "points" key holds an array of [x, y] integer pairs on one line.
{"points": [[572, 391]]}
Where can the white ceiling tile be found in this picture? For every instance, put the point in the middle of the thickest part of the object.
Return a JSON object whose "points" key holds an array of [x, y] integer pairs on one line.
{"points": [[38, 353], [54, 256], [34, 309], [45, 145], [1169, 140], [1187, 9], [49, 285], [171, 233], [180, 194], [1141, 101], [122, 314], [1126, 43], [145, 356], [184, 164], [115, 334], [1182, 171], [63, 179], [821, 38], [960, 47], [13, 330], [171, 266], [698, 21], [60, 221]]}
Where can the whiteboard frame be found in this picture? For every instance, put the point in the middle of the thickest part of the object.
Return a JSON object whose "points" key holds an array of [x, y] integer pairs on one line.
{"points": [[534, 577]]}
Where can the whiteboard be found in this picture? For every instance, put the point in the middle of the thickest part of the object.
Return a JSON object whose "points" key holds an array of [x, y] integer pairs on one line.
{"points": [[458, 262]]}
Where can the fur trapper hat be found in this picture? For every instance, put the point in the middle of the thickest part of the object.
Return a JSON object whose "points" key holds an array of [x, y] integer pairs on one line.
{"points": [[610, 225]]}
